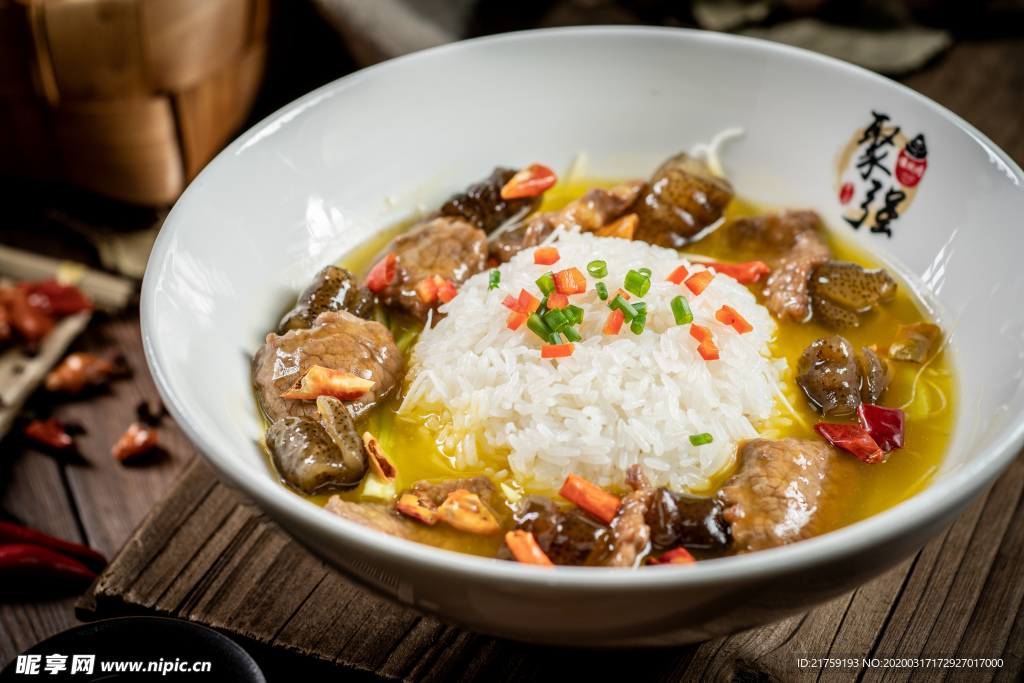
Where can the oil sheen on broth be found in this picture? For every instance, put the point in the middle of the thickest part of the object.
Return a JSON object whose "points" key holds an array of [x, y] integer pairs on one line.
{"points": [[924, 392]]}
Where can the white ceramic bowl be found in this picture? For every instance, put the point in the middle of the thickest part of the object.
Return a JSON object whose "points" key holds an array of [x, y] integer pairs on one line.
{"points": [[325, 173]]}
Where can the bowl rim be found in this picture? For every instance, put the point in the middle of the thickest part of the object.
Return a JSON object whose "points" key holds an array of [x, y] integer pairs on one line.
{"points": [[294, 511]]}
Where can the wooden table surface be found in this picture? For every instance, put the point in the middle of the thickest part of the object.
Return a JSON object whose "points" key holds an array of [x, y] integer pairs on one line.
{"points": [[961, 595]]}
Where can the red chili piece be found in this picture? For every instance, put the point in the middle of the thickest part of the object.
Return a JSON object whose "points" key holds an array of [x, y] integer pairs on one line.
{"points": [[49, 432], [24, 560], [31, 322], [382, 274], [744, 273], [17, 534], [674, 556], [885, 425], [56, 299], [852, 438]]}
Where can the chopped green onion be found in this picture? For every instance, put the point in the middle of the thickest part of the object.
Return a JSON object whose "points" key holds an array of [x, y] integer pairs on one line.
{"points": [[597, 268], [640, 306], [602, 291], [636, 283], [555, 339], [681, 310], [543, 305], [620, 303], [571, 334], [555, 320], [575, 314], [700, 439], [493, 279], [546, 282], [538, 326], [644, 271], [405, 341], [637, 326]]}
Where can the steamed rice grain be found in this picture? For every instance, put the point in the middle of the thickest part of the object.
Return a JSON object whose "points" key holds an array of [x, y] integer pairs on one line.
{"points": [[618, 400]]}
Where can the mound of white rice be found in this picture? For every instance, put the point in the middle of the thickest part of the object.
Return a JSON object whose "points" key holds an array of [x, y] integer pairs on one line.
{"points": [[618, 400]]}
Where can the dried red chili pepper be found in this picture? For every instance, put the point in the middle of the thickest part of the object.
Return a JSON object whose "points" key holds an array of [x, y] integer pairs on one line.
{"points": [[136, 440], [674, 556], [49, 432], [31, 322], [17, 534], [885, 425], [34, 561], [852, 438], [77, 371], [56, 299]]}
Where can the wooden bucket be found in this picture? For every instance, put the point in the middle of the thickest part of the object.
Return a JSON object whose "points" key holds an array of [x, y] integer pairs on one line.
{"points": [[127, 98]]}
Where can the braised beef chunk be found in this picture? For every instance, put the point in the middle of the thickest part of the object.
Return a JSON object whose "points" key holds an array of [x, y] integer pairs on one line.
{"points": [[631, 537], [682, 199], [567, 537], [333, 289], [483, 206], [451, 248], [837, 380], [481, 486], [778, 492], [373, 515], [788, 241], [693, 522], [338, 341], [595, 209]]}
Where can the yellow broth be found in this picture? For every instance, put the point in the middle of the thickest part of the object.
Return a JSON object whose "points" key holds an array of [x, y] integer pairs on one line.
{"points": [[924, 392]]}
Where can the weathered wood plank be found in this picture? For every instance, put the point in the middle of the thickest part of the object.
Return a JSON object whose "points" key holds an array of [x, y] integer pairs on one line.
{"points": [[114, 498]]}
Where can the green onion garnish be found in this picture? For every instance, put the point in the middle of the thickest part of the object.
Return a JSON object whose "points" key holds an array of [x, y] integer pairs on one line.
{"points": [[493, 279], [597, 268], [700, 439], [571, 334], [637, 326], [546, 282], [574, 313], [555, 339], [602, 291], [640, 306], [636, 283], [555, 320], [681, 310], [620, 303], [538, 326], [543, 305], [644, 271]]}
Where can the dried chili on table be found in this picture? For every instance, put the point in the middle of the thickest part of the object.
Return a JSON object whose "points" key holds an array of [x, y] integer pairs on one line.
{"points": [[17, 534]]}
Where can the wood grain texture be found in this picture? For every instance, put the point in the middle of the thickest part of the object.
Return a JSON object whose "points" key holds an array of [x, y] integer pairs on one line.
{"points": [[96, 49], [207, 556], [187, 41]]}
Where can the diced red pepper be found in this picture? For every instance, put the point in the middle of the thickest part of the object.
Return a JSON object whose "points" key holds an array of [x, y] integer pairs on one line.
{"points": [[698, 282], [706, 348], [545, 256], [558, 301], [56, 299], [382, 274], [446, 290], [510, 302], [852, 438], [517, 318], [727, 315], [528, 302], [620, 290], [426, 289], [557, 350], [744, 273], [532, 181], [614, 322], [885, 425], [50, 432], [525, 548], [570, 281], [593, 499], [678, 275], [674, 556]]}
